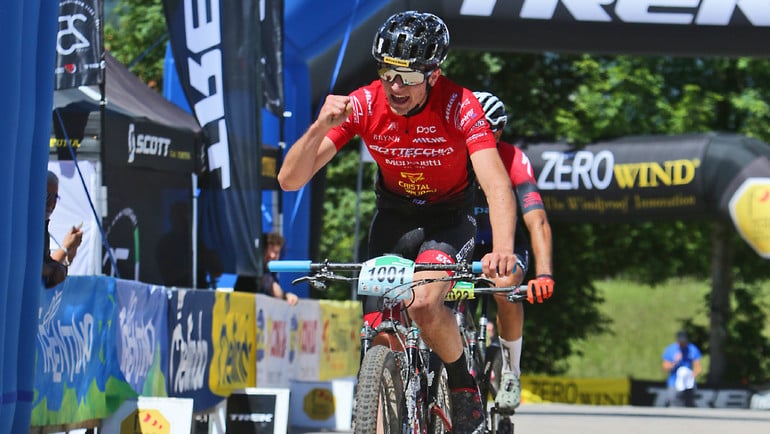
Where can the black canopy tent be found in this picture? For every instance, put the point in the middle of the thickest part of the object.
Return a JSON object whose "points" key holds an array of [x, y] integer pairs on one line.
{"points": [[149, 150]]}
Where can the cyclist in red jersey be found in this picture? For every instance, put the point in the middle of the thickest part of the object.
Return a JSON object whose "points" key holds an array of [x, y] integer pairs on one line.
{"points": [[425, 133], [510, 316]]}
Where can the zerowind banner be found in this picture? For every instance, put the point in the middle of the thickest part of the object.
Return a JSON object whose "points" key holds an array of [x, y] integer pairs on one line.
{"points": [[79, 44], [216, 47]]}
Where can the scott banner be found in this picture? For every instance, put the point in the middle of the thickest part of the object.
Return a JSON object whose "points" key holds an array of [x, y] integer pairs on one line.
{"points": [[79, 44], [218, 55]]}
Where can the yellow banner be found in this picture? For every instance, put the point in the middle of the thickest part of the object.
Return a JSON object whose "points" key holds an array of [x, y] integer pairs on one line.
{"points": [[234, 336], [340, 338], [593, 391]]}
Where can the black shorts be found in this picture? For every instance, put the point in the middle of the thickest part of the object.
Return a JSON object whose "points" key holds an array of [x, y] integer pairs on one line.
{"points": [[408, 234]]}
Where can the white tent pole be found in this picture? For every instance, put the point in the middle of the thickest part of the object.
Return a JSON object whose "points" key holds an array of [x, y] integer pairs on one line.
{"points": [[194, 182]]}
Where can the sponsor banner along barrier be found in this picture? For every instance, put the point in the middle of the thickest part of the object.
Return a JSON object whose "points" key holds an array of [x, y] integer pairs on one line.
{"points": [[592, 391], [102, 341], [142, 336], [233, 333], [341, 338], [656, 394], [272, 342], [190, 347], [77, 374], [309, 340]]}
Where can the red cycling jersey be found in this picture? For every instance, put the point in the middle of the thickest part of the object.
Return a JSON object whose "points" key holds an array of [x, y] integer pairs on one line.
{"points": [[422, 157], [527, 195], [522, 177]]}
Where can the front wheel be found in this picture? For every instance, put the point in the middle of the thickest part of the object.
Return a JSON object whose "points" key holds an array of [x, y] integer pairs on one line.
{"points": [[379, 404], [489, 382]]}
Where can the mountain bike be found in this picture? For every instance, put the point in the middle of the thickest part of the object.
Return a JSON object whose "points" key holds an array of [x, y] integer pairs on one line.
{"points": [[485, 361], [402, 385]]}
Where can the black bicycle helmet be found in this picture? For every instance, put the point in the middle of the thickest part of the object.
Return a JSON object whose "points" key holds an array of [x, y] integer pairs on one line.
{"points": [[494, 109], [411, 39]]}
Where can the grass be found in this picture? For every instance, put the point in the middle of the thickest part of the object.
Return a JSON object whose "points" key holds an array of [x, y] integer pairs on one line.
{"points": [[644, 321]]}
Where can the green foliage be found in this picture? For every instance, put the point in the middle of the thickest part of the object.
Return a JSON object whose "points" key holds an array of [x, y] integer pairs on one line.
{"points": [[747, 347], [138, 37], [339, 239]]}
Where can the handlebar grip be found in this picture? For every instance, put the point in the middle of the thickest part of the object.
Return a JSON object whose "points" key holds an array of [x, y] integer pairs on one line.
{"points": [[476, 267], [298, 266]]}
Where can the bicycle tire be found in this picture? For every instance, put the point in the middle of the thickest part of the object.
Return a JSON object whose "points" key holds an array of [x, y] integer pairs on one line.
{"points": [[439, 393], [380, 393], [505, 426]]}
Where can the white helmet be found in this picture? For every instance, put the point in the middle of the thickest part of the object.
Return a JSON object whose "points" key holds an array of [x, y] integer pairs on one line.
{"points": [[494, 110]]}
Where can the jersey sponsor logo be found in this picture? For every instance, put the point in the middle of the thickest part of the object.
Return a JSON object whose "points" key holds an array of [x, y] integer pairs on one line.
{"points": [[429, 140], [532, 199], [358, 110], [476, 136], [416, 189], [525, 162], [415, 164], [674, 12], [413, 187], [467, 117], [368, 96], [413, 177], [430, 129], [384, 138], [392, 126], [411, 152], [596, 171], [448, 111]]}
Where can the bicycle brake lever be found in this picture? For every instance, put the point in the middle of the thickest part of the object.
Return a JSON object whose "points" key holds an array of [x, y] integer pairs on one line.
{"points": [[316, 284], [517, 296]]}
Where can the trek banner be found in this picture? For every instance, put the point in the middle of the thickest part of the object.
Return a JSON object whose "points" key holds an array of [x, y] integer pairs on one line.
{"points": [[654, 27], [218, 53], [79, 44]]}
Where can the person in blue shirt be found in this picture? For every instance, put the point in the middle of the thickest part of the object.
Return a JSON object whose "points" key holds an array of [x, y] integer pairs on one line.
{"points": [[682, 362]]}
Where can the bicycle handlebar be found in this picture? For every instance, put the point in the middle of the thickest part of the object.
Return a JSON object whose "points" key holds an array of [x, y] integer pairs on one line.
{"points": [[306, 266]]}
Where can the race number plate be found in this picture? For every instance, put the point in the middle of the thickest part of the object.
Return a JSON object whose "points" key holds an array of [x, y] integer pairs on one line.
{"points": [[461, 291], [386, 276]]}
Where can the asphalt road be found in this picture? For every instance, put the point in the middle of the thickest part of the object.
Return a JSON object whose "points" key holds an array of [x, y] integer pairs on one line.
{"points": [[579, 419]]}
